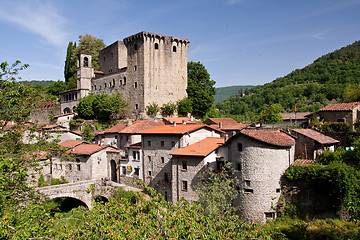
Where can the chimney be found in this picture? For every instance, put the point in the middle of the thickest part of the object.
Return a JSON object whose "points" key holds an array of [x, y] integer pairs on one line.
{"points": [[183, 121], [129, 123], [192, 118], [220, 125], [174, 123]]}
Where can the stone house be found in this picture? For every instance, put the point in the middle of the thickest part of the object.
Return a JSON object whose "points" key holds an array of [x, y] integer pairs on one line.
{"points": [[62, 135], [84, 162], [189, 162], [157, 145], [311, 143], [132, 166], [63, 119], [260, 157], [228, 125], [341, 112], [146, 68], [291, 119], [111, 136]]}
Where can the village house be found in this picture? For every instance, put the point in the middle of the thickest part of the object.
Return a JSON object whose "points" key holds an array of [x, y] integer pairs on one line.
{"points": [[260, 158], [158, 143], [189, 162], [63, 119], [85, 162], [311, 143], [228, 125], [346, 112], [295, 119]]}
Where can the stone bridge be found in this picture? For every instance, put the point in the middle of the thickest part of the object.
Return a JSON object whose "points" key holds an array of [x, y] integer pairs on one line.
{"points": [[84, 191]]}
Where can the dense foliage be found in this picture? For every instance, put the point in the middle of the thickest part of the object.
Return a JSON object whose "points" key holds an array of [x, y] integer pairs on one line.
{"points": [[310, 88], [102, 106], [200, 88]]}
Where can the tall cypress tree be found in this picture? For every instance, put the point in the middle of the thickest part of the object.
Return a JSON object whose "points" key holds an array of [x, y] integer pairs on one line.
{"points": [[70, 66]]}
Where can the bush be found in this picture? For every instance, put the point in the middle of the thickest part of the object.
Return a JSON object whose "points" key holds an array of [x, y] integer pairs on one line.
{"points": [[168, 109], [153, 109]]}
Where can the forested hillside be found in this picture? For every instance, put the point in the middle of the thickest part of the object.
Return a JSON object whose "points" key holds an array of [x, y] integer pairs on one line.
{"points": [[223, 93], [310, 88]]}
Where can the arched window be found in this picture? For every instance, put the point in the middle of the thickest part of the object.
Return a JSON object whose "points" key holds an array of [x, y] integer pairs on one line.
{"points": [[86, 62], [156, 46], [174, 48], [124, 80]]}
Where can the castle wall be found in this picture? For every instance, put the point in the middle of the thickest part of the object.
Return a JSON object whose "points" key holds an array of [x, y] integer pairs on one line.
{"points": [[113, 58], [41, 114]]}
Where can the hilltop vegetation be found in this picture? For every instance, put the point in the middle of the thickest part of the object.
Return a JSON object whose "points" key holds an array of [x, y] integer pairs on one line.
{"points": [[223, 93], [328, 79]]}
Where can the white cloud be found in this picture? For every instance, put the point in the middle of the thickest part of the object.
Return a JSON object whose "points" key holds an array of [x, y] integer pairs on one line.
{"points": [[39, 17]]}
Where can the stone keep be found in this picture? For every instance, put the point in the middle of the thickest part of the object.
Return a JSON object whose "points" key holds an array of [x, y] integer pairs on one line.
{"points": [[146, 68]]}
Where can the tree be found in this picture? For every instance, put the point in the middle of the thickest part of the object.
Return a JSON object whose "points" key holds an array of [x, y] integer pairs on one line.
{"points": [[216, 191], [55, 88], [168, 109], [70, 66], [153, 109], [85, 107], [200, 88], [184, 106], [271, 114], [91, 45]]}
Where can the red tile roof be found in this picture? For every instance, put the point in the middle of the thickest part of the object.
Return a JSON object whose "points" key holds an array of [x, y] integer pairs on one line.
{"points": [[115, 129], [86, 149], [71, 143], [224, 121], [317, 136], [201, 148], [227, 124], [178, 120], [298, 116], [52, 127], [63, 115], [340, 106], [178, 129], [270, 136], [141, 125]]}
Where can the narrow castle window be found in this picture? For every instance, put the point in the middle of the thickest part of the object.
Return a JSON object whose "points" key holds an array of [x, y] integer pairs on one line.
{"points": [[184, 165], [124, 80], [156, 46], [135, 84], [135, 68], [104, 85], [136, 106], [114, 82], [184, 186], [162, 143], [162, 160], [240, 147], [174, 48], [86, 62]]}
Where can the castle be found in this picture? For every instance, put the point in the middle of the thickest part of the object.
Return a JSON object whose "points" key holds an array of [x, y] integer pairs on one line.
{"points": [[146, 68]]}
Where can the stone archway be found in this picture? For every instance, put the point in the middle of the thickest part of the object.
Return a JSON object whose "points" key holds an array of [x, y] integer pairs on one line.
{"points": [[113, 171], [67, 110]]}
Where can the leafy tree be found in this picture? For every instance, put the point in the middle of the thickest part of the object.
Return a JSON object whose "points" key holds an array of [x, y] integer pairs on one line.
{"points": [[87, 133], [168, 109], [102, 106], [153, 109], [271, 114], [184, 106], [352, 93], [216, 191], [200, 88], [70, 66], [91, 45], [55, 88]]}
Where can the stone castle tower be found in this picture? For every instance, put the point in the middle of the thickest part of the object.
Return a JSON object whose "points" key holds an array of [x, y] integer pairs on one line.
{"points": [[146, 68]]}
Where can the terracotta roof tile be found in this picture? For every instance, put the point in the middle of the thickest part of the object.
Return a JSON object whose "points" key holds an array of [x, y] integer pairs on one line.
{"points": [[63, 115], [317, 136], [201, 148], [227, 123], [71, 143], [270, 136], [340, 106], [87, 149], [178, 120], [115, 129], [141, 125], [178, 129]]}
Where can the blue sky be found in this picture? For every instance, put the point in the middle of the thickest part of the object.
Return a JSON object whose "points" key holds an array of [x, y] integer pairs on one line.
{"points": [[240, 42]]}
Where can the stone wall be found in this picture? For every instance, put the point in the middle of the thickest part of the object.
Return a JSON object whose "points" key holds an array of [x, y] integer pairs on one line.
{"points": [[41, 114]]}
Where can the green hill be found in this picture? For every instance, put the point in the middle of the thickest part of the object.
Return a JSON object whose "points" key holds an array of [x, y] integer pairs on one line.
{"points": [[310, 88], [224, 93]]}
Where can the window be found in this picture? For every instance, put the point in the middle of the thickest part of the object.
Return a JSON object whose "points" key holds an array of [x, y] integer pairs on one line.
{"points": [[104, 85], [134, 155], [86, 62], [149, 173], [184, 165], [136, 106], [60, 166], [184, 186], [165, 196], [240, 147], [124, 80], [174, 48], [114, 82], [162, 143], [269, 215], [278, 190], [136, 171], [173, 143], [70, 167], [156, 46], [149, 143], [247, 183], [149, 158], [120, 82], [95, 87], [78, 167], [248, 190], [162, 160], [135, 84], [124, 170], [166, 177], [135, 68]]}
